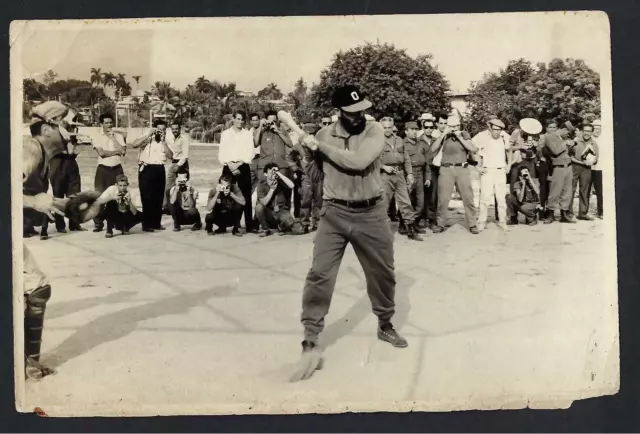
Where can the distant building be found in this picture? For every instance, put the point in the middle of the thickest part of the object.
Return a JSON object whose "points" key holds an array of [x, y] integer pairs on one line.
{"points": [[459, 101]]}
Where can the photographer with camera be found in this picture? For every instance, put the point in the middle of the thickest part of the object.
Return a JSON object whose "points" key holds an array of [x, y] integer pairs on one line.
{"points": [[272, 209], [182, 202], [523, 150], [154, 153], [525, 198], [225, 204], [273, 143], [457, 150], [120, 211]]}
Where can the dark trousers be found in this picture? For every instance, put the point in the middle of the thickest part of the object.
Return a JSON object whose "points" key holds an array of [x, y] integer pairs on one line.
{"points": [[243, 180], [105, 178], [297, 195], [270, 219], [172, 174], [431, 195], [185, 217], [543, 177], [460, 178], [370, 236], [122, 221], [417, 193], [596, 181], [581, 175], [254, 173], [311, 202], [64, 175], [526, 208], [223, 218], [152, 182]]}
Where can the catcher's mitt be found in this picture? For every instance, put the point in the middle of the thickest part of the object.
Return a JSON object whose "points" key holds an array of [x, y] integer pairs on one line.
{"points": [[82, 207]]}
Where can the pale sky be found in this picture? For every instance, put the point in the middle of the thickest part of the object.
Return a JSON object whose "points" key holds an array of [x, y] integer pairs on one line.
{"points": [[255, 51]]}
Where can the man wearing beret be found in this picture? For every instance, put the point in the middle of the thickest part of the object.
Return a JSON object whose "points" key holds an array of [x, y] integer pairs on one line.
{"points": [[417, 150], [397, 179], [353, 212]]}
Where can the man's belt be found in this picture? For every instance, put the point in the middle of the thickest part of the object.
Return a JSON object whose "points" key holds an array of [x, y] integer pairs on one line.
{"points": [[357, 203], [395, 164], [418, 166], [454, 165], [562, 165]]}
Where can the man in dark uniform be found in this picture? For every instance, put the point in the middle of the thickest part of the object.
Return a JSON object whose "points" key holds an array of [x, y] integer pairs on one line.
{"points": [[64, 174], [311, 189], [353, 212], [430, 190], [417, 150], [47, 131], [397, 179], [560, 198]]}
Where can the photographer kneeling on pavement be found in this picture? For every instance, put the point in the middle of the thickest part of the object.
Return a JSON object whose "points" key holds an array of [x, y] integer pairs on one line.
{"points": [[225, 205], [273, 208], [182, 202], [525, 198]]}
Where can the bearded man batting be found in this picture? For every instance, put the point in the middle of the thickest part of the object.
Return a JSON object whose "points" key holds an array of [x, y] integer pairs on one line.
{"points": [[353, 212], [47, 134]]}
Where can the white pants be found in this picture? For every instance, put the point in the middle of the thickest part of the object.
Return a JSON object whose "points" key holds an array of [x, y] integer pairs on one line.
{"points": [[34, 278], [493, 183]]}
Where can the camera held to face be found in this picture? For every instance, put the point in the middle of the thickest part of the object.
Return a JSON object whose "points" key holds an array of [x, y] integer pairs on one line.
{"points": [[268, 125]]}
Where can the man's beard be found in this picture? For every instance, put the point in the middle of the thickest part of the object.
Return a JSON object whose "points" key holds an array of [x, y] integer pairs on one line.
{"points": [[354, 129]]}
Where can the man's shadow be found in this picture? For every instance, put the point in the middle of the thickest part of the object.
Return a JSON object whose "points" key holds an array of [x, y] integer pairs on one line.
{"points": [[116, 325], [359, 311], [64, 308]]}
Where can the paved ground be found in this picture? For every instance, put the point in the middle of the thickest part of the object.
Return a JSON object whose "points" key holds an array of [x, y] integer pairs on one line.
{"points": [[168, 323]]}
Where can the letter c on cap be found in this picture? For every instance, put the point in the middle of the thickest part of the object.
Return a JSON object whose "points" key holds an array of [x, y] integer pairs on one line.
{"points": [[355, 95]]}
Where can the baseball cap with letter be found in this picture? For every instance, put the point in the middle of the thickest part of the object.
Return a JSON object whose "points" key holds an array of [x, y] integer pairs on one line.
{"points": [[350, 99], [48, 111]]}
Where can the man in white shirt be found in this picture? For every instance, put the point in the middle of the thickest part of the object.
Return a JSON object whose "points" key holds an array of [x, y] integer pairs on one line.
{"points": [[596, 169], [179, 144], [492, 149], [154, 153], [236, 153], [111, 148]]}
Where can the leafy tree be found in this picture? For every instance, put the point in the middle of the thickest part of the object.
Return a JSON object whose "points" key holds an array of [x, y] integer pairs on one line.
{"points": [[122, 85], [34, 90], [565, 90], [49, 77], [302, 102], [495, 94], [397, 84], [270, 92]]}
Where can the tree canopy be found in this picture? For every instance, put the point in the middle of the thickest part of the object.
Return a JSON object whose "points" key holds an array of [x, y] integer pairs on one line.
{"points": [[397, 84], [564, 90]]}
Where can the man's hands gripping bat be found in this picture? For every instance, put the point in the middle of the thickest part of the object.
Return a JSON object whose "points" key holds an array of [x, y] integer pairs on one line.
{"points": [[83, 206], [307, 140]]}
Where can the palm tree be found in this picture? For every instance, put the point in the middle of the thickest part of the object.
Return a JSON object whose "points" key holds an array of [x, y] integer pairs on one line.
{"points": [[96, 76], [164, 91], [137, 79], [108, 78], [203, 85]]}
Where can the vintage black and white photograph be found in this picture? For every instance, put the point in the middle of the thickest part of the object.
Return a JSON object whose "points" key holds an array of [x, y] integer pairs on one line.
{"points": [[313, 214]]}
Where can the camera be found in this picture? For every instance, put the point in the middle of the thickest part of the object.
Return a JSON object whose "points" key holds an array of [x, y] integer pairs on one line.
{"points": [[267, 125]]}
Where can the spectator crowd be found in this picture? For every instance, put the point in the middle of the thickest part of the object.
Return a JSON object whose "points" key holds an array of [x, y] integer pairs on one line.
{"points": [[534, 170]]}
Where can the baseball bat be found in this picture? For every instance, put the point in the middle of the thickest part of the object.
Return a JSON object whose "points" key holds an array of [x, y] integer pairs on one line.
{"points": [[286, 119]]}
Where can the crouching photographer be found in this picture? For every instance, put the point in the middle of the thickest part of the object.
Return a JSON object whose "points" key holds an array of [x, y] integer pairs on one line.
{"points": [[272, 209], [182, 202], [225, 205], [525, 198]]}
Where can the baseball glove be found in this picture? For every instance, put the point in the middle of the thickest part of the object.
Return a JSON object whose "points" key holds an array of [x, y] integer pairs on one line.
{"points": [[82, 207]]}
